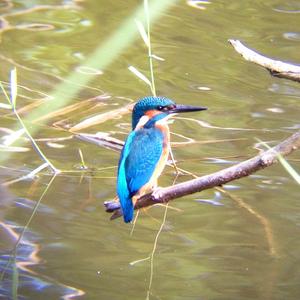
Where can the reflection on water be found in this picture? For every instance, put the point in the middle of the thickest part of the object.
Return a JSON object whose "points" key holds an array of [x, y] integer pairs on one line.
{"points": [[27, 255], [238, 242]]}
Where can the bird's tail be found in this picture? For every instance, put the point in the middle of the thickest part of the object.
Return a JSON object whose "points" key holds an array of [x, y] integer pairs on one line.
{"points": [[127, 209], [124, 195]]}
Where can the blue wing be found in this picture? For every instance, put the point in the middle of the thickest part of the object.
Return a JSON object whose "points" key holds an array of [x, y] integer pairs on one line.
{"points": [[139, 157], [140, 164], [122, 187]]}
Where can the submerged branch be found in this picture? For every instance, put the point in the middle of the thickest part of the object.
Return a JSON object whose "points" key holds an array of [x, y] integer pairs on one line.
{"points": [[243, 169], [275, 67]]}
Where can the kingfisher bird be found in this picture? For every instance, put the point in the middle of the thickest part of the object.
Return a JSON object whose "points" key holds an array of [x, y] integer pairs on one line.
{"points": [[146, 149]]}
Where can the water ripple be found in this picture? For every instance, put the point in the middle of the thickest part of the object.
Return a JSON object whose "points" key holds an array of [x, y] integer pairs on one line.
{"points": [[291, 7], [284, 89], [293, 36]]}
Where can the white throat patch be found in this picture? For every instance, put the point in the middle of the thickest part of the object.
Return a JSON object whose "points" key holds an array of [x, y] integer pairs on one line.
{"points": [[143, 120]]}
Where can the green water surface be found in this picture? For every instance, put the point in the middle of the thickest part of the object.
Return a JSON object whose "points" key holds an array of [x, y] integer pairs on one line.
{"points": [[212, 249]]}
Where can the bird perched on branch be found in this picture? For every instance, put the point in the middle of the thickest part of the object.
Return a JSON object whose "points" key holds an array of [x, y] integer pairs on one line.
{"points": [[146, 149]]}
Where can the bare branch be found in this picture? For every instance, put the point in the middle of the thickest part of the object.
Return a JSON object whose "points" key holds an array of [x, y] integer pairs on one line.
{"points": [[275, 67], [224, 176]]}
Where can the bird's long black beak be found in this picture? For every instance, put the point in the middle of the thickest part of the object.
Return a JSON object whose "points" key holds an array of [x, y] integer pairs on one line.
{"points": [[179, 108]]}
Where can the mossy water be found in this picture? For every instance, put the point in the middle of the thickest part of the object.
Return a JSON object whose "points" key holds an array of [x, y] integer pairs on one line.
{"points": [[211, 249]]}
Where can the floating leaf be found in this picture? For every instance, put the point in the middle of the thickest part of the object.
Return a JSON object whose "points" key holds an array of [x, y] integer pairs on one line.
{"points": [[88, 70], [5, 106], [94, 120], [198, 3], [10, 139], [157, 57], [102, 139], [36, 27], [13, 149], [203, 88], [142, 32], [55, 145], [139, 75]]}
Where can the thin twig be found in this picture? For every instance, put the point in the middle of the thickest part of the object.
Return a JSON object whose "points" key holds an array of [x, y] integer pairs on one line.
{"points": [[153, 251], [27, 176], [35, 145], [12, 102], [174, 163], [146, 6]]}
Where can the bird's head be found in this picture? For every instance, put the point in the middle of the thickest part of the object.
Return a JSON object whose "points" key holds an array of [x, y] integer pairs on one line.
{"points": [[149, 107]]}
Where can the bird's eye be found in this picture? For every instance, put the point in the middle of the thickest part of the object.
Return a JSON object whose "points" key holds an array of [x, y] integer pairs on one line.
{"points": [[169, 107], [166, 108]]}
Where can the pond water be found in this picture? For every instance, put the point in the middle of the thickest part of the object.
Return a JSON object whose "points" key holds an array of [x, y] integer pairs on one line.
{"points": [[72, 60]]}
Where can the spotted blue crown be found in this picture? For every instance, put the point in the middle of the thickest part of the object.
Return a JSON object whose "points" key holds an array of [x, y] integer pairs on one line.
{"points": [[148, 103]]}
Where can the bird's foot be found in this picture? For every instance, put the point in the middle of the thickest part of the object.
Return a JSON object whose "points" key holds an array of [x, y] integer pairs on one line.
{"points": [[157, 194]]}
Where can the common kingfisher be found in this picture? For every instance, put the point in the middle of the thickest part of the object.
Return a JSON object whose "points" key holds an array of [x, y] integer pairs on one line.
{"points": [[146, 149]]}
